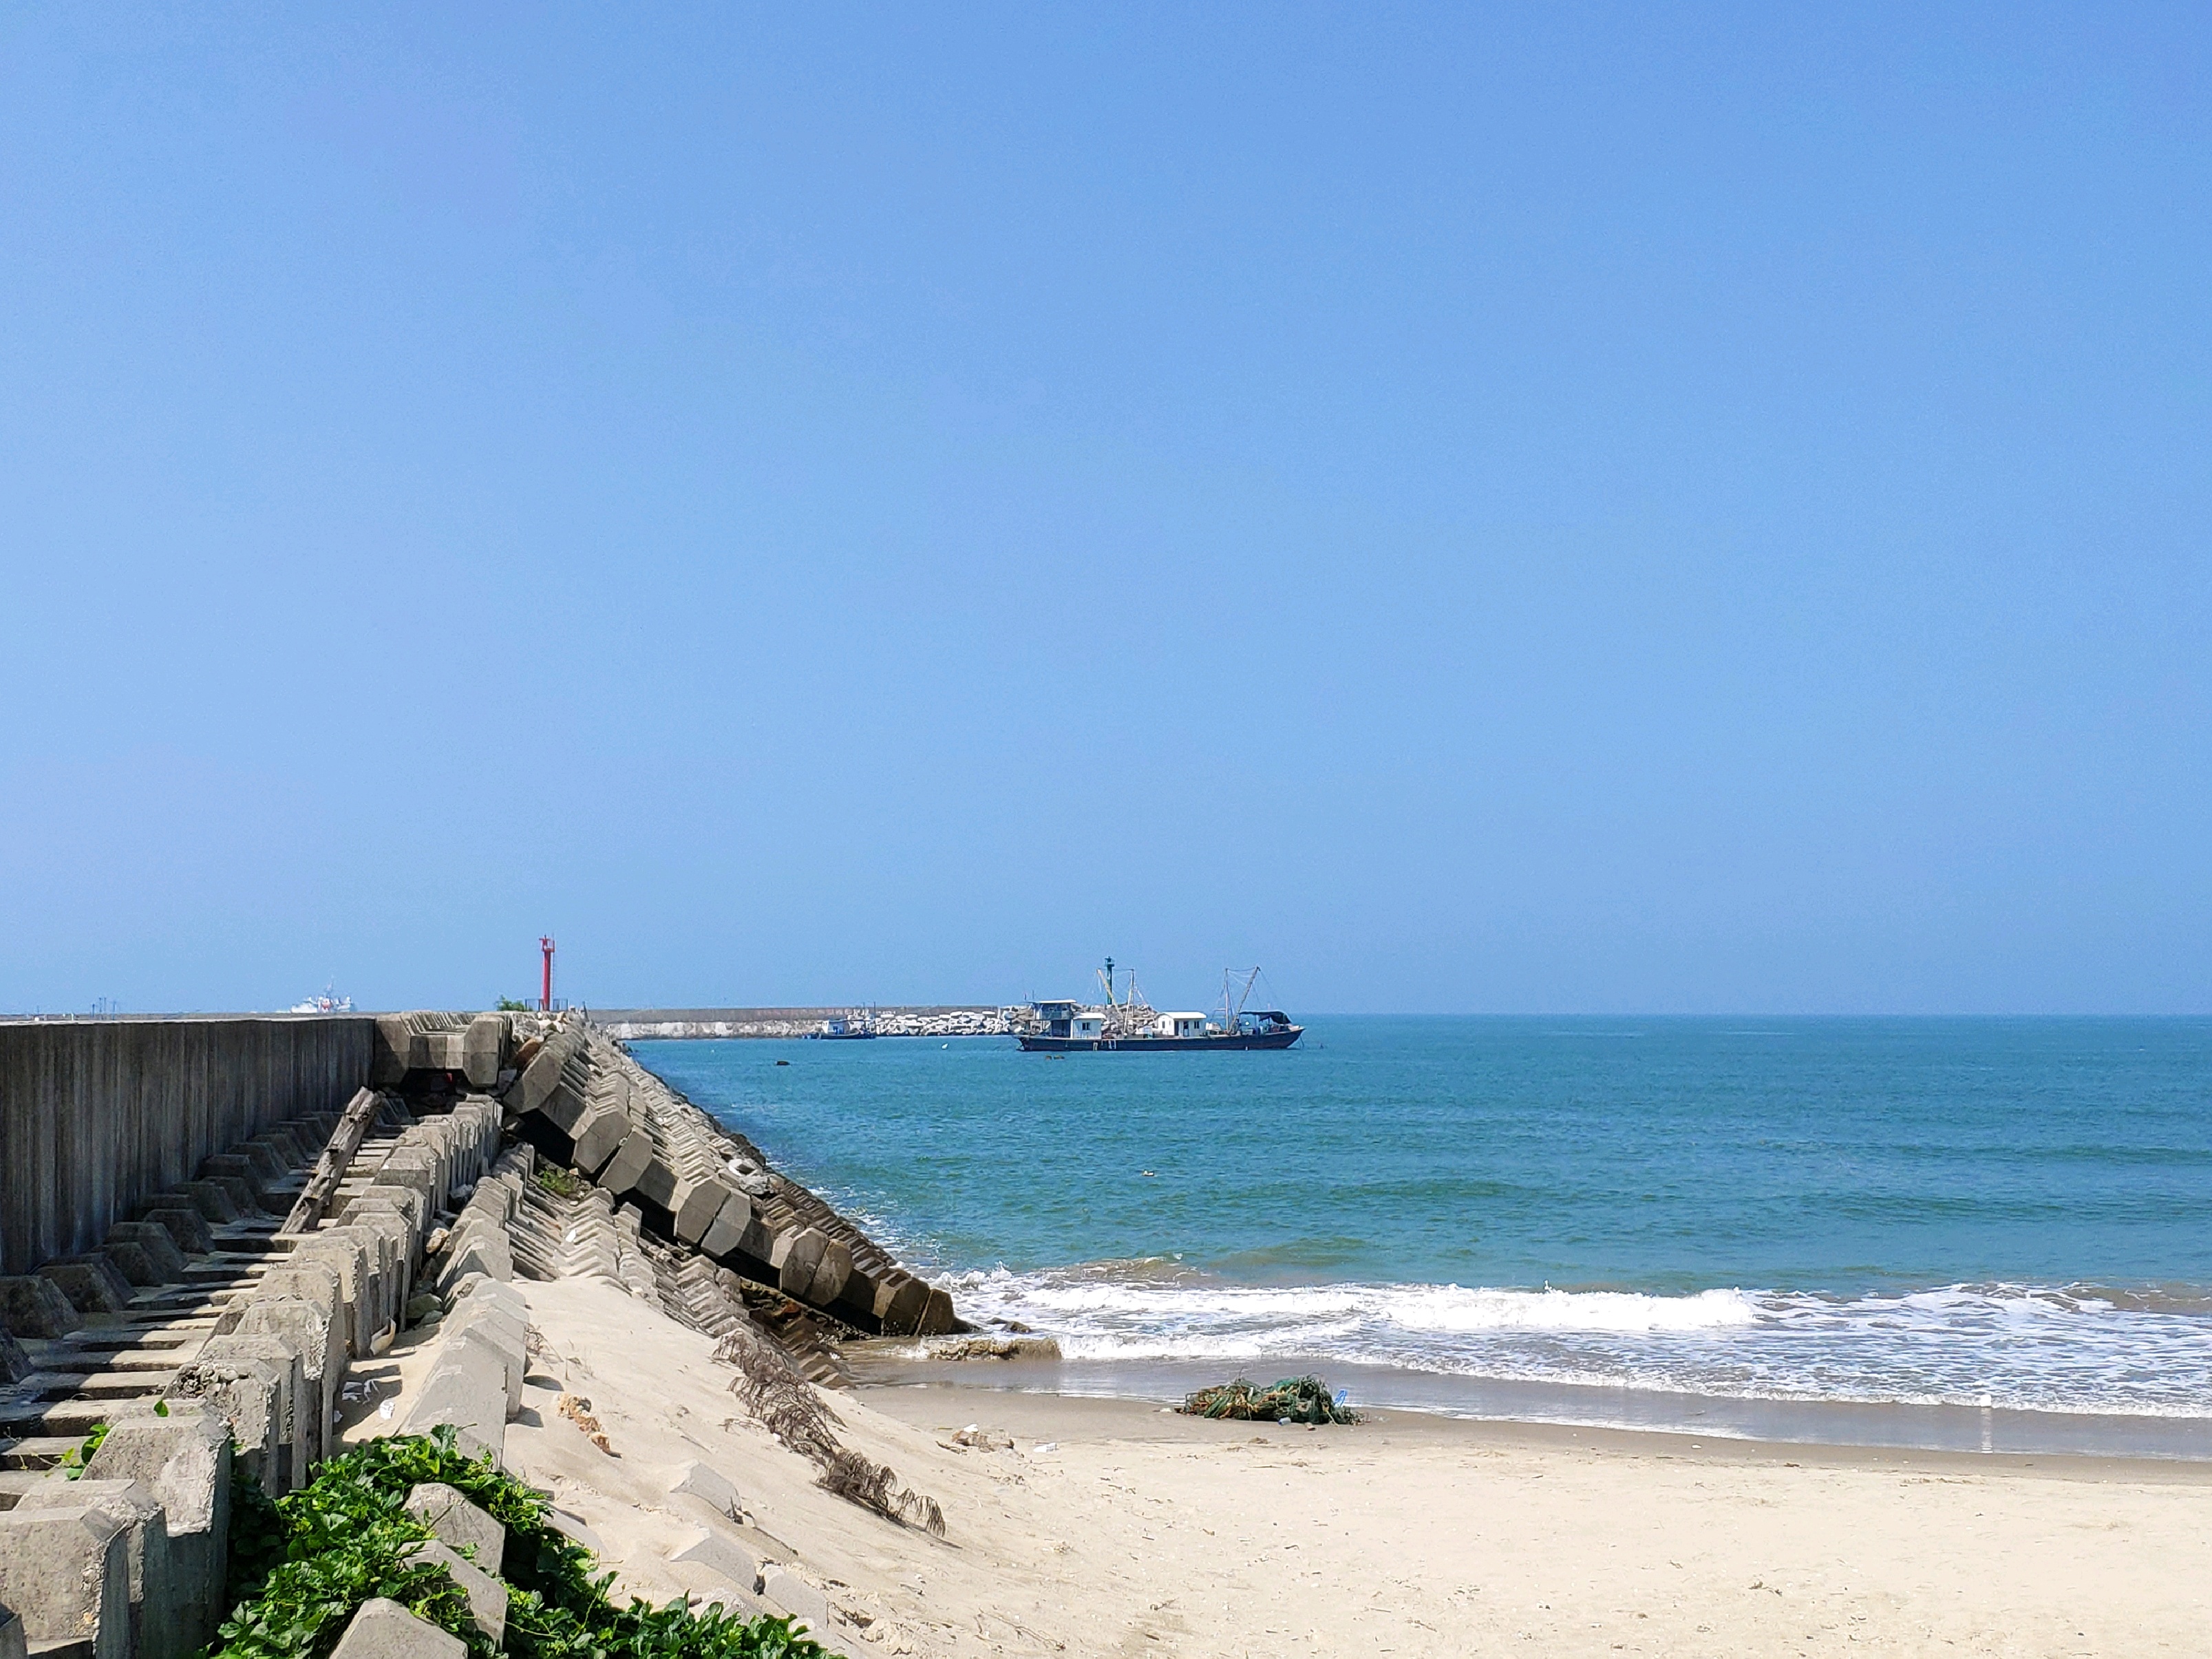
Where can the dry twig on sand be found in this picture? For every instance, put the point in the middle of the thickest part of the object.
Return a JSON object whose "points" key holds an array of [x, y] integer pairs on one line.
{"points": [[783, 1402]]}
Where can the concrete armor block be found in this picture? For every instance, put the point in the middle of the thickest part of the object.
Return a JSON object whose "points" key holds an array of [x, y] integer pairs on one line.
{"points": [[181, 1220], [210, 1200], [91, 1284], [130, 1259], [487, 1595], [307, 1328], [722, 1555], [12, 1644], [183, 1459], [344, 1251], [251, 1382], [727, 1231], [34, 1306], [628, 1164], [382, 1629], [159, 1243], [656, 1183], [483, 1049], [564, 1108], [901, 1301], [14, 1362], [698, 1480], [468, 1387], [459, 1523], [156, 1597], [802, 1255], [786, 1589], [695, 1205], [829, 1277], [66, 1572], [599, 1134], [937, 1317]]}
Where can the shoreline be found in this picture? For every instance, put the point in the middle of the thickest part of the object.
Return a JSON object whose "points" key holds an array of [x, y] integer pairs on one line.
{"points": [[1964, 1430], [1039, 1411], [1089, 1526]]}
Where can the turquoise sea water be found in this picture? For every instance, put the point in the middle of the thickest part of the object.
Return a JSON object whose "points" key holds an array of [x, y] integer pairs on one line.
{"points": [[2014, 1214]]}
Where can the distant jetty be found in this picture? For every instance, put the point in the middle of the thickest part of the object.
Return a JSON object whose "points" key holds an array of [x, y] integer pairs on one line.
{"points": [[943, 1021]]}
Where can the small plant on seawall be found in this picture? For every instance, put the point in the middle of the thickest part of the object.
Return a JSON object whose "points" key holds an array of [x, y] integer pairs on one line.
{"points": [[509, 1006], [343, 1539], [74, 1459], [562, 1183]]}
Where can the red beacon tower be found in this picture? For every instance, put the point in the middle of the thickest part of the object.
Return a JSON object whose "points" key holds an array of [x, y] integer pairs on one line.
{"points": [[545, 983]]}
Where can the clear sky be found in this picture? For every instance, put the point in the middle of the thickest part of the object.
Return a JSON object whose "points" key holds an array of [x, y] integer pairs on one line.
{"points": [[1536, 508]]}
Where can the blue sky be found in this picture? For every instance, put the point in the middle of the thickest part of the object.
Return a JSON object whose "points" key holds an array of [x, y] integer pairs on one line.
{"points": [[1654, 509]]}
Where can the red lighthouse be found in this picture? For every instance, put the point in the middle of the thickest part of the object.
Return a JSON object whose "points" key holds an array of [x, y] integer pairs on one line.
{"points": [[545, 984]]}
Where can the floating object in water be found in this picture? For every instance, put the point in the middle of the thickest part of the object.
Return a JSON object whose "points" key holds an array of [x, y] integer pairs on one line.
{"points": [[783, 1062]]}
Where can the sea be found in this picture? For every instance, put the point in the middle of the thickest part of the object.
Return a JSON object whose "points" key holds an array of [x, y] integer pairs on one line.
{"points": [[1972, 1234]]}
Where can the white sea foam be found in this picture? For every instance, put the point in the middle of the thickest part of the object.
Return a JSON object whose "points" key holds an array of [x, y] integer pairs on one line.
{"points": [[2049, 1348]]}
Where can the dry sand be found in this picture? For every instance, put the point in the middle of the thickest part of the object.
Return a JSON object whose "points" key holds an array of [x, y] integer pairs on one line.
{"points": [[1111, 1528]]}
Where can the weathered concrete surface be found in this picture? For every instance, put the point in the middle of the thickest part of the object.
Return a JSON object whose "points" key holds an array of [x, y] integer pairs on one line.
{"points": [[96, 1116], [67, 1572], [384, 1630], [460, 1523]]}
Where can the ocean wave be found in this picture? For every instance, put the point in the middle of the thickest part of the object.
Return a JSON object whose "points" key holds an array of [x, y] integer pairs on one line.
{"points": [[2063, 1348]]}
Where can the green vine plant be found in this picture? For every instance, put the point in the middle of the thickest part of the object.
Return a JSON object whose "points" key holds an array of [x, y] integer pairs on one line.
{"points": [[74, 1459], [302, 1565]]}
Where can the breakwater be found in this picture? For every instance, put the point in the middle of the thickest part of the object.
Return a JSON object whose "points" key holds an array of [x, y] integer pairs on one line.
{"points": [[219, 1223], [946, 1020]]}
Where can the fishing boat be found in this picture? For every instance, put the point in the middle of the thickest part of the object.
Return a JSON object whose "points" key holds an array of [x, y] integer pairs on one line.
{"points": [[846, 1028], [1126, 1022]]}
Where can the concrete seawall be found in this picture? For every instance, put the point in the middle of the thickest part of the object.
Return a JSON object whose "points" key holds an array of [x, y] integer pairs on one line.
{"points": [[97, 1115]]}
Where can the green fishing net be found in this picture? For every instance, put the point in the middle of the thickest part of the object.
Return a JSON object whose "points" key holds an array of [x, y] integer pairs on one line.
{"points": [[1293, 1399]]}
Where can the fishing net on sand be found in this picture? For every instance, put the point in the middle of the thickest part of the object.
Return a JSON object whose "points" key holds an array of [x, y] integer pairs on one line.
{"points": [[1294, 1400]]}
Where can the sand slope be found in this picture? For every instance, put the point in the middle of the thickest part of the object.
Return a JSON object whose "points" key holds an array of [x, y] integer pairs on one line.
{"points": [[1144, 1534]]}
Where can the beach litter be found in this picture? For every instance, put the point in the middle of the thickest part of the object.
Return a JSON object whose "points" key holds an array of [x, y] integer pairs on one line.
{"points": [[579, 1412], [1292, 1400]]}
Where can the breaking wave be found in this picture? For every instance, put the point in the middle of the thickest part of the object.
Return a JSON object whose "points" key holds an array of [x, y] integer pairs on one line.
{"points": [[2063, 1348]]}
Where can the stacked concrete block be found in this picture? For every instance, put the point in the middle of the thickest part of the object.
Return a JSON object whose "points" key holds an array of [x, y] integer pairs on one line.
{"points": [[65, 1572], [254, 1384], [475, 1381], [157, 1597], [14, 1362], [183, 1460], [686, 1180], [350, 1256], [310, 1333], [12, 1646], [476, 1049]]}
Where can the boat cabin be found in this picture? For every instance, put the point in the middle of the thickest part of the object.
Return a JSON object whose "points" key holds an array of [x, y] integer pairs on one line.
{"points": [[1087, 1025], [1055, 1016], [1181, 1025]]}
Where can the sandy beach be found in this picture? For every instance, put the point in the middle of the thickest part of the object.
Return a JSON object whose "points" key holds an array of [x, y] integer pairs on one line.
{"points": [[1112, 1527]]}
